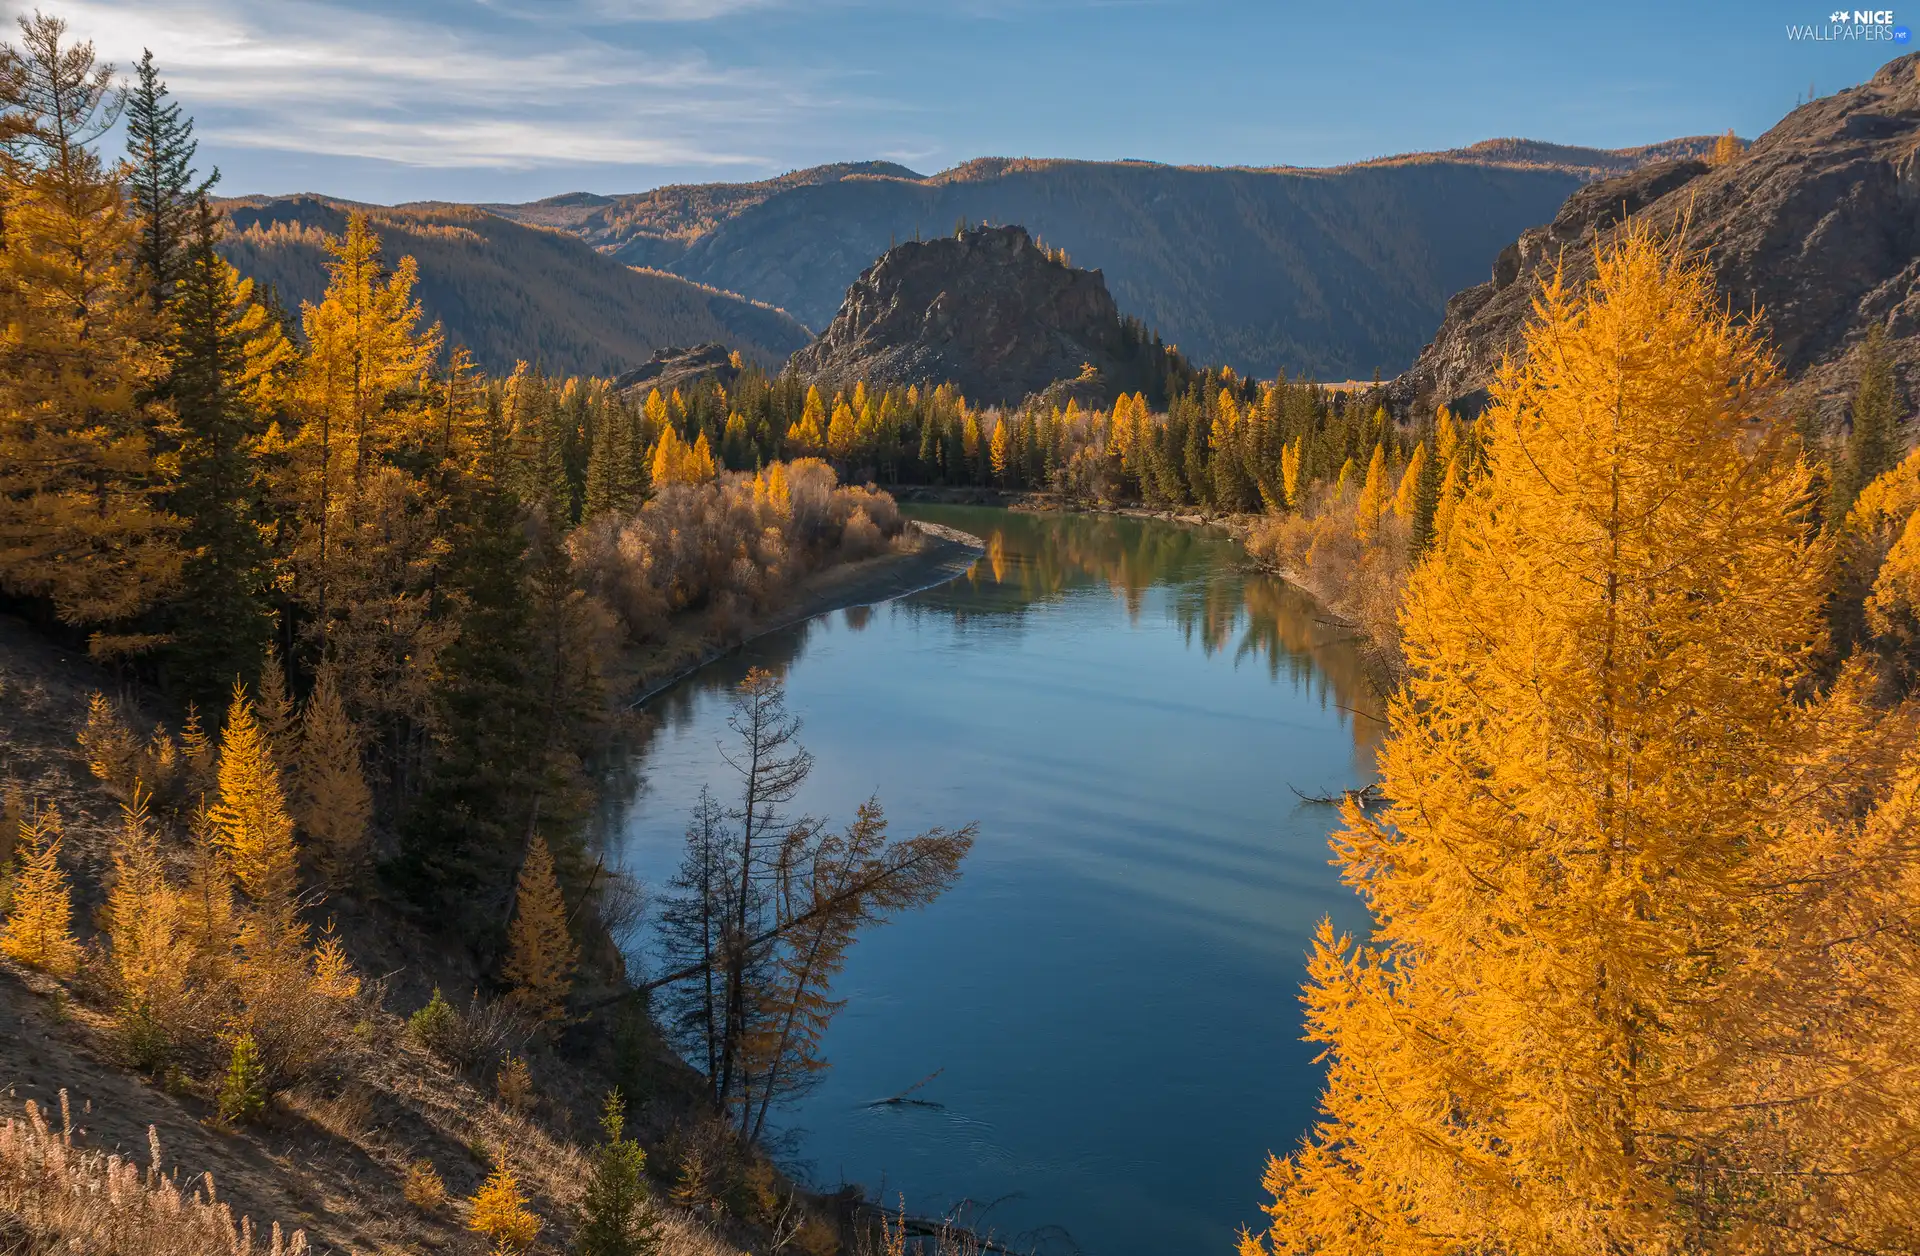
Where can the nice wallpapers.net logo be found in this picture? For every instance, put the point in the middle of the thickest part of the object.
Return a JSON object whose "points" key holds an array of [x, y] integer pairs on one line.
{"points": [[1852, 25]]}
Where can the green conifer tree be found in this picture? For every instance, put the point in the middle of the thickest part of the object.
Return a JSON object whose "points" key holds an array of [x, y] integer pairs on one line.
{"points": [[617, 1217], [221, 622], [161, 186]]}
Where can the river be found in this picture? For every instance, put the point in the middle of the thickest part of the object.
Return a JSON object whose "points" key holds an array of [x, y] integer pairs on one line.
{"points": [[1109, 998]]}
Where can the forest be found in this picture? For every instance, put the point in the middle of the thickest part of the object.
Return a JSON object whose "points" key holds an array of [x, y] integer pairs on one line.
{"points": [[1642, 970]]}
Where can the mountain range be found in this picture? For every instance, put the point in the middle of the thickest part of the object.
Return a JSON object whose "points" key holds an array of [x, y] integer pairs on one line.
{"points": [[1332, 273]]}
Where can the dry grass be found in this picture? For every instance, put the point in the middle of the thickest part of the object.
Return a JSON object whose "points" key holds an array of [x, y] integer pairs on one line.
{"points": [[59, 1197]]}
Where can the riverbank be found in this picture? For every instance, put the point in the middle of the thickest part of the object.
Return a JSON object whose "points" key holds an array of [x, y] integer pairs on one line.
{"points": [[925, 555]]}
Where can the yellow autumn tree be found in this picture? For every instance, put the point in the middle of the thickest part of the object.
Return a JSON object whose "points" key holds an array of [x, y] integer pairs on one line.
{"points": [[500, 1213], [540, 952], [998, 448], [1410, 482], [842, 432], [1290, 472], [81, 523], [250, 814], [334, 804], [38, 929], [677, 462], [1584, 765], [151, 959], [1373, 496], [364, 343], [809, 435]]}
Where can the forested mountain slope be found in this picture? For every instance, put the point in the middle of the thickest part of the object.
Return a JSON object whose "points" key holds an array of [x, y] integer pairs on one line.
{"points": [[1334, 273], [509, 291]]}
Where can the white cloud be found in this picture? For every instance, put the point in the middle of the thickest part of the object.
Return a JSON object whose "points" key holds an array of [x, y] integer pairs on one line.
{"points": [[318, 78]]}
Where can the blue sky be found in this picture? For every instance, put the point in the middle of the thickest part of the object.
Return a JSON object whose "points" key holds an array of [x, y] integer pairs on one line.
{"points": [[517, 99]]}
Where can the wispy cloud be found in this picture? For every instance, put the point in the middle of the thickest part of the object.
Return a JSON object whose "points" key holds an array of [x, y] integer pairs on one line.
{"points": [[326, 79]]}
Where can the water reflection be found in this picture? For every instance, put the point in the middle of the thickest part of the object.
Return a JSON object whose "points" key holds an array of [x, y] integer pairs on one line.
{"points": [[1110, 993]]}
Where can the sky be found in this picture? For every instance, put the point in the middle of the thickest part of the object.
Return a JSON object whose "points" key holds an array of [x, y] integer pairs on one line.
{"points": [[510, 100]]}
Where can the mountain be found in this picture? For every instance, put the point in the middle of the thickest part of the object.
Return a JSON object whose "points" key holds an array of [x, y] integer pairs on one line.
{"points": [[508, 291], [1334, 273], [989, 311], [1816, 226]]}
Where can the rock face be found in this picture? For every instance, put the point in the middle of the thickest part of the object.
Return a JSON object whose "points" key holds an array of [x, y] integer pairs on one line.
{"points": [[672, 368], [1817, 226], [986, 310]]}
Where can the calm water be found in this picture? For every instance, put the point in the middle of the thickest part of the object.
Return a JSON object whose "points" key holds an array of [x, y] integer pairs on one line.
{"points": [[1109, 995]]}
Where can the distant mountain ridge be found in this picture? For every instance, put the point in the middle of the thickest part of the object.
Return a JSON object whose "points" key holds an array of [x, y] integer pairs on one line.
{"points": [[509, 291], [1334, 273], [1816, 225]]}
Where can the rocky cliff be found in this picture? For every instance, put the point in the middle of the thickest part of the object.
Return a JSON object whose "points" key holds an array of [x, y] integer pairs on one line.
{"points": [[985, 309], [1816, 226]]}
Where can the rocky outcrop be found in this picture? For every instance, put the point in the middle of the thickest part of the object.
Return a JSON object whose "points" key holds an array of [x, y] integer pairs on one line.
{"points": [[673, 368], [1816, 227], [986, 310]]}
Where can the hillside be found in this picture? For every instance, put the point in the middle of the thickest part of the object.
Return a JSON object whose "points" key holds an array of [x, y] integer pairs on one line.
{"points": [[509, 291], [1814, 226], [1334, 273], [988, 311]]}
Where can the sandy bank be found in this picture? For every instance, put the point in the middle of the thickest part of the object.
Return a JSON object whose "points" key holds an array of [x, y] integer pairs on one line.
{"points": [[926, 555]]}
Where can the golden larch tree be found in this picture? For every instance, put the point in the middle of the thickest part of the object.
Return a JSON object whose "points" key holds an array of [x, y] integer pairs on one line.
{"points": [[38, 930], [80, 519], [151, 959], [1585, 762], [250, 814], [1373, 496], [1410, 482], [540, 952], [334, 805]]}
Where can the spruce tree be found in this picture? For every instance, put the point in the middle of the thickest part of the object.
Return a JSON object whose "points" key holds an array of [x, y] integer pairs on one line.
{"points": [[1426, 501], [163, 190], [1872, 441], [221, 623], [617, 1217]]}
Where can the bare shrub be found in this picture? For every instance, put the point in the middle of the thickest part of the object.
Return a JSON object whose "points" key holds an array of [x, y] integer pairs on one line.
{"points": [[61, 1198]]}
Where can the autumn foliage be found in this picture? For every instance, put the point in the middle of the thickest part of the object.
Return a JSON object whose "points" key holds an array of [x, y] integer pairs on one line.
{"points": [[1617, 996]]}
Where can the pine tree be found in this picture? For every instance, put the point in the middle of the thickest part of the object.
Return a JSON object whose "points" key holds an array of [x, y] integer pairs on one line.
{"points": [[540, 952], [222, 339], [617, 1216], [334, 804], [38, 929], [164, 190], [251, 813], [1586, 767], [79, 519]]}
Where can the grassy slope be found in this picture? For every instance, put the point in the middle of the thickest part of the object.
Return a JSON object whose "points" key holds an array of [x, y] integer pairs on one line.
{"points": [[331, 1156]]}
